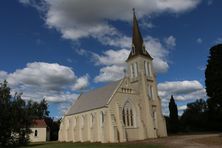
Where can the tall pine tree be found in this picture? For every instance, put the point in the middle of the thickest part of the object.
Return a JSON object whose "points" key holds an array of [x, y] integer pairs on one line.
{"points": [[213, 83], [174, 121]]}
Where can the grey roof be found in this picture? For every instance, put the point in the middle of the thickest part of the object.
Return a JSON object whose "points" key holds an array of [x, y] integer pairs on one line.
{"points": [[93, 99]]}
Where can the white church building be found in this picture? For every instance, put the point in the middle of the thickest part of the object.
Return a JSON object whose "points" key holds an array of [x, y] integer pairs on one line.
{"points": [[125, 110]]}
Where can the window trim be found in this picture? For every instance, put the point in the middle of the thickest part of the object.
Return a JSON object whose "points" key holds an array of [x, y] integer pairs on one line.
{"points": [[128, 115]]}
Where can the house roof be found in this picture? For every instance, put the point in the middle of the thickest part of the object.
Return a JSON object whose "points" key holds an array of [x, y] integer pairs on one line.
{"points": [[93, 99], [137, 41], [38, 123]]}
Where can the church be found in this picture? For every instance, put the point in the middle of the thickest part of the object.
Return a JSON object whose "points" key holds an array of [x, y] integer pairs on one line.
{"points": [[125, 110]]}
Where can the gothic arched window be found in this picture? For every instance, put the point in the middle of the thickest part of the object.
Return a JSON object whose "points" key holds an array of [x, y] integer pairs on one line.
{"points": [[36, 133], [81, 121], [90, 120], [101, 118], [128, 115]]}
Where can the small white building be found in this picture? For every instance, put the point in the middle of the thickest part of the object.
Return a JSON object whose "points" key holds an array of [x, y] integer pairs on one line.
{"points": [[40, 131]]}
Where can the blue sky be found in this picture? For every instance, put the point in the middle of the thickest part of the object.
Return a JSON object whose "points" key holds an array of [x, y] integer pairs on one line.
{"points": [[57, 49]]}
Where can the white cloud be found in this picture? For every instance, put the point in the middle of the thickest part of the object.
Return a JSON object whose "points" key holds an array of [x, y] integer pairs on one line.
{"points": [[81, 51], [180, 87], [218, 40], [182, 108], [24, 1], [170, 41], [39, 80], [118, 40], [3, 76], [81, 82], [199, 40], [183, 91], [147, 24], [114, 60], [110, 73], [76, 19], [44, 75], [112, 57], [159, 52]]}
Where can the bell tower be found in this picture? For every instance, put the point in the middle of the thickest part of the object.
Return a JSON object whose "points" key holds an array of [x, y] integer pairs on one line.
{"points": [[139, 60], [143, 80]]}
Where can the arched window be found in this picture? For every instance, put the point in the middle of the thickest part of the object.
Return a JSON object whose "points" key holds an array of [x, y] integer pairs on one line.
{"points": [[149, 69], [36, 133], [123, 115], [128, 115], [150, 92], [146, 68], [101, 118], [74, 122], [132, 71], [81, 121], [135, 66], [90, 120]]}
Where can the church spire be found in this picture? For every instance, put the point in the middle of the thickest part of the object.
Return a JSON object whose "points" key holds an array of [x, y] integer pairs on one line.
{"points": [[138, 47]]}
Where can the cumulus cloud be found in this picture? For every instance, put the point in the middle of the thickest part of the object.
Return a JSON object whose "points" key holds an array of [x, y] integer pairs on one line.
{"points": [[180, 87], [170, 41], [3, 75], [81, 82], [112, 57], [45, 75], [76, 19], [51, 81], [110, 73], [183, 92], [159, 52], [114, 60]]}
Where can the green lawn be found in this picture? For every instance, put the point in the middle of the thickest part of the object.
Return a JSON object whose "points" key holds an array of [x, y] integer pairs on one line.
{"points": [[91, 145]]}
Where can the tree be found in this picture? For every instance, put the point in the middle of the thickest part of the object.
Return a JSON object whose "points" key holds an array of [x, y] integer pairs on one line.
{"points": [[213, 75], [173, 119], [195, 116], [16, 116], [5, 119], [21, 119], [54, 127]]}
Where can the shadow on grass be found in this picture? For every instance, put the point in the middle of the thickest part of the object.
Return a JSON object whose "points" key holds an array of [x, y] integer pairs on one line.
{"points": [[33, 145], [91, 145]]}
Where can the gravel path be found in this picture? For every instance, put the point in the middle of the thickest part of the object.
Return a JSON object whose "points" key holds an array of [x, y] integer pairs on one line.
{"points": [[189, 141]]}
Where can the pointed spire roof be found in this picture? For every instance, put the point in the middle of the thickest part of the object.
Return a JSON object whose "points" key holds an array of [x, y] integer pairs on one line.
{"points": [[138, 47]]}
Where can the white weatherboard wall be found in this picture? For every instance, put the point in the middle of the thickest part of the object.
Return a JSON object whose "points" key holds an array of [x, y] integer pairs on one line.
{"points": [[41, 135]]}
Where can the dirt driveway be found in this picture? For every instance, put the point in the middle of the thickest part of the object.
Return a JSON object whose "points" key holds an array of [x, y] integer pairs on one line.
{"points": [[190, 141]]}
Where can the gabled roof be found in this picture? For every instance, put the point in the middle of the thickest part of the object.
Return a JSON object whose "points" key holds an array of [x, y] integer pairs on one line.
{"points": [[94, 99], [38, 123], [137, 41]]}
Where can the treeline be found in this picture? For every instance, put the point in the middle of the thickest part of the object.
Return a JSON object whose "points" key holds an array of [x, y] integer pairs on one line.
{"points": [[202, 115], [195, 118], [16, 116]]}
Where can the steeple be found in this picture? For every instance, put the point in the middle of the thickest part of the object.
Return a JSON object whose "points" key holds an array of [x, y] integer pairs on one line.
{"points": [[138, 47]]}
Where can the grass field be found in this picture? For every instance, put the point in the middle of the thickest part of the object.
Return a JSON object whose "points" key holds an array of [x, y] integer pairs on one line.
{"points": [[90, 145]]}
